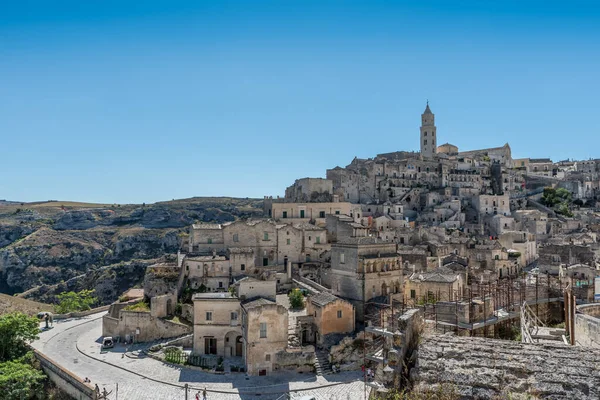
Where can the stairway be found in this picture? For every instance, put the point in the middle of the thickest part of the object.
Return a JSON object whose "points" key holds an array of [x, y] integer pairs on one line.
{"points": [[322, 365]]}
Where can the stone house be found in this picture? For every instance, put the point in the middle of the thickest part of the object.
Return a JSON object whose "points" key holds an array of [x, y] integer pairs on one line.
{"points": [[442, 284], [304, 212], [363, 269], [325, 314], [265, 333], [487, 204], [212, 271], [340, 226], [524, 243], [217, 325], [206, 238]]}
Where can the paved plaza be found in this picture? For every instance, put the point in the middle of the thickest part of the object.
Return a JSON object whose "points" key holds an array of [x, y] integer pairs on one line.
{"points": [[75, 344]]}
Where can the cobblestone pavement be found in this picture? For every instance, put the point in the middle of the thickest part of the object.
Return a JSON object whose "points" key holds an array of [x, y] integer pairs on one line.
{"points": [[75, 345]]}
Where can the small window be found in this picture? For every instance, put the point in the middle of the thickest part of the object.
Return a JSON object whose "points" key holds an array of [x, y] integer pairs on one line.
{"points": [[425, 141], [342, 258], [209, 240], [309, 238], [234, 316], [339, 314], [266, 236], [321, 214], [220, 284], [209, 315], [263, 330], [267, 357], [236, 237], [243, 267], [288, 241], [318, 239], [285, 214], [187, 267], [413, 294], [337, 212]]}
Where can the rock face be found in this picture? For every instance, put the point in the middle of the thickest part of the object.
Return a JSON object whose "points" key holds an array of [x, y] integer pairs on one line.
{"points": [[52, 243], [478, 368]]}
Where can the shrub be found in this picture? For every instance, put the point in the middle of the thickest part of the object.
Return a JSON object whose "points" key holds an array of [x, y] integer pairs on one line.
{"points": [[296, 298]]}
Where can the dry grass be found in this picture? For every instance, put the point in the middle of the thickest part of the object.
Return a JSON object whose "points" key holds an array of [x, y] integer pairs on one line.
{"points": [[10, 304]]}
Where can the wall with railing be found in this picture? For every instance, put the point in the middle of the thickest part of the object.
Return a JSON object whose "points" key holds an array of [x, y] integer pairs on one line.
{"points": [[65, 379]]}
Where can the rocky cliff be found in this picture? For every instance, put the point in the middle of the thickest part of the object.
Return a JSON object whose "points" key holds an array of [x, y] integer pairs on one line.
{"points": [[55, 246]]}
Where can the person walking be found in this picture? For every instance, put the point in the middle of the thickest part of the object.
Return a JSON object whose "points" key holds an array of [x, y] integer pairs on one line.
{"points": [[204, 394]]}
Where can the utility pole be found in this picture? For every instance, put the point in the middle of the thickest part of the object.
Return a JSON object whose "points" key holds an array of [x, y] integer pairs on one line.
{"points": [[186, 391]]}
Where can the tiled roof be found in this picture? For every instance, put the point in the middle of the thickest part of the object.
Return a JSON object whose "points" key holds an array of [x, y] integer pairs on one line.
{"points": [[323, 298], [257, 302]]}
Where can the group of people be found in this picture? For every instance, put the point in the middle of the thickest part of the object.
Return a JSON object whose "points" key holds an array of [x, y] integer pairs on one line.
{"points": [[369, 373], [203, 395]]}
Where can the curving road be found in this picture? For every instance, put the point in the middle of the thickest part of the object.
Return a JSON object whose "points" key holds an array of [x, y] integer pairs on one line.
{"points": [[74, 344]]}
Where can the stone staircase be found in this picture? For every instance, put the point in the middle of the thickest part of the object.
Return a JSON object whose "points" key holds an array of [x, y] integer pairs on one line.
{"points": [[322, 365]]}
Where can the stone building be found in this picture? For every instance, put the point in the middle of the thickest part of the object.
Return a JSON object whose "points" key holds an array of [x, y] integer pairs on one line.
{"points": [[428, 134], [217, 325], [363, 269], [265, 333], [442, 284], [310, 190], [325, 314], [491, 205]]}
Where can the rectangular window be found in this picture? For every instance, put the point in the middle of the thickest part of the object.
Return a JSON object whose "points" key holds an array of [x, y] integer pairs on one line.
{"points": [[263, 330], [337, 212], [288, 241], [318, 239], [301, 213], [309, 238], [234, 316], [321, 214], [339, 314], [342, 258], [243, 267], [236, 237], [413, 294], [285, 214], [209, 240], [266, 236], [268, 357], [209, 315], [220, 284]]}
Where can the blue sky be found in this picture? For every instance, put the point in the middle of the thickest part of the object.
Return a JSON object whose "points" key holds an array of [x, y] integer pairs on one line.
{"points": [[119, 101]]}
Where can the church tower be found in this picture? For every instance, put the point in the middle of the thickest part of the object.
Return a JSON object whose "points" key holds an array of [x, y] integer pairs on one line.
{"points": [[428, 134]]}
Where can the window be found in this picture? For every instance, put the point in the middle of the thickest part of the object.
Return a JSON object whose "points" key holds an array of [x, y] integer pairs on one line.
{"points": [[236, 238], [321, 214], [263, 329], [285, 214], [267, 357], [288, 241], [337, 212], [209, 240], [209, 315], [243, 267], [339, 314], [318, 239], [234, 316], [301, 213], [342, 258], [425, 133], [187, 267], [266, 236], [425, 141], [309, 238], [220, 284]]}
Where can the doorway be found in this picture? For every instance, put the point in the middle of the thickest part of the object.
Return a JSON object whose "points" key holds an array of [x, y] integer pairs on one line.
{"points": [[210, 345], [238, 347]]}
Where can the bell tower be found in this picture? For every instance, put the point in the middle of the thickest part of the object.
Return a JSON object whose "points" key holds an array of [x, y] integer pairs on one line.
{"points": [[428, 134]]}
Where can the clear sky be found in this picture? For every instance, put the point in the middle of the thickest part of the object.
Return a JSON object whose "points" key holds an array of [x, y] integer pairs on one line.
{"points": [[121, 101]]}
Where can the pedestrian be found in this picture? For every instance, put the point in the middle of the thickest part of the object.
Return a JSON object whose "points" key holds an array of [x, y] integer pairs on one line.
{"points": [[204, 394], [197, 395], [369, 373], [97, 389]]}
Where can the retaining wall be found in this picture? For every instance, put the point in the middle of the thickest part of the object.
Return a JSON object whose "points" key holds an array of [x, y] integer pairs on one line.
{"points": [[65, 379], [587, 325], [79, 314]]}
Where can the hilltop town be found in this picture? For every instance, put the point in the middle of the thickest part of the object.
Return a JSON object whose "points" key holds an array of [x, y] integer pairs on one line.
{"points": [[398, 271]]}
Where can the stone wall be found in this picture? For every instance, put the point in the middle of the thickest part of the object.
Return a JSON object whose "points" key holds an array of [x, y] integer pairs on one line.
{"points": [[587, 325], [299, 360], [64, 379], [478, 368], [142, 326], [79, 314]]}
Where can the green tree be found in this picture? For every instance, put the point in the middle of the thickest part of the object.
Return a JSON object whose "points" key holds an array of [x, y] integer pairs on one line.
{"points": [[296, 298], [20, 380], [16, 330], [72, 301]]}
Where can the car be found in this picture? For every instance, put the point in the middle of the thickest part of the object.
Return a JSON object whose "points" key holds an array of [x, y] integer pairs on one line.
{"points": [[108, 342]]}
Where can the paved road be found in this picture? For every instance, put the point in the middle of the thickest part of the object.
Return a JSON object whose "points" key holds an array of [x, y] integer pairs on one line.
{"points": [[74, 344]]}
